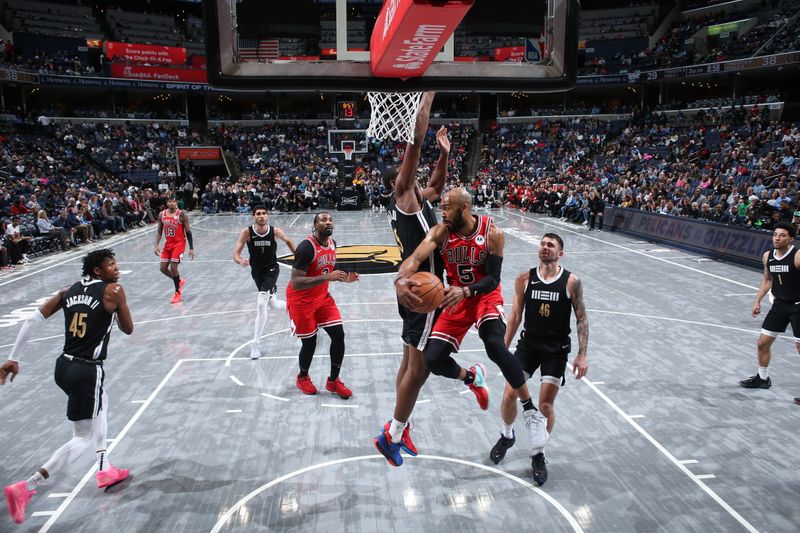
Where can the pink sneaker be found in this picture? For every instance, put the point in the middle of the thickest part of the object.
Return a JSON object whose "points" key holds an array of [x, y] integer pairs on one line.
{"points": [[176, 298], [17, 497], [112, 476]]}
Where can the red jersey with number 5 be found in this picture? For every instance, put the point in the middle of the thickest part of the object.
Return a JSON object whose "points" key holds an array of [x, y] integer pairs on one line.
{"points": [[465, 257], [173, 227], [323, 262]]}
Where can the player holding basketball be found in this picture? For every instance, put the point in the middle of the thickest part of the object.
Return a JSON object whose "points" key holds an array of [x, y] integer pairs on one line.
{"points": [[262, 245], [312, 307], [173, 223], [472, 250], [782, 277], [411, 215], [544, 296], [90, 307]]}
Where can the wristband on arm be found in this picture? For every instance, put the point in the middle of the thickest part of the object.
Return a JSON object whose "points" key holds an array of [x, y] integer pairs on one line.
{"points": [[491, 280]]}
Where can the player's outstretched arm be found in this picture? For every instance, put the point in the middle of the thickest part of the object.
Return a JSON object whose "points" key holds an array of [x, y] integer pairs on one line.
{"points": [[280, 234], [237, 252], [580, 365], [45, 311], [406, 180], [436, 184], [515, 317]]}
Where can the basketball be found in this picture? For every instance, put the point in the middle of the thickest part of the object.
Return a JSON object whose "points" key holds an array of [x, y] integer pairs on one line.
{"points": [[431, 291]]}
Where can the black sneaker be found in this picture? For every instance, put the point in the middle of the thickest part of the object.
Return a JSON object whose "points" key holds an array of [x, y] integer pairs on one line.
{"points": [[539, 465], [499, 450], [756, 382], [797, 401]]}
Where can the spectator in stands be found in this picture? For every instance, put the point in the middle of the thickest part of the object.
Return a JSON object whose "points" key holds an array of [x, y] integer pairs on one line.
{"points": [[5, 261], [46, 227], [63, 221], [19, 207], [82, 229], [17, 244]]}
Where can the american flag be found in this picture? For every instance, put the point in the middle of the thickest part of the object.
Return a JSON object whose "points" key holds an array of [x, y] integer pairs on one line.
{"points": [[258, 49]]}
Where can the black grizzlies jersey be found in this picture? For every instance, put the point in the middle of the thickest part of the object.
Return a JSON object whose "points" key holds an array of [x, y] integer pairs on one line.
{"points": [[262, 248], [547, 306], [87, 322], [785, 277], [410, 229]]}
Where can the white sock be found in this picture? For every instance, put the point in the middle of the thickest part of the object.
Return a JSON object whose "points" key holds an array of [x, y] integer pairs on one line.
{"points": [[275, 303], [508, 431], [763, 372], [99, 431], [396, 430], [262, 312], [34, 480]]}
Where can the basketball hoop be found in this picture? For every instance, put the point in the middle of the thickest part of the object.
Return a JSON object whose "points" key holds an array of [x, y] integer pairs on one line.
{"points": [[393, 116], [348, 152]]}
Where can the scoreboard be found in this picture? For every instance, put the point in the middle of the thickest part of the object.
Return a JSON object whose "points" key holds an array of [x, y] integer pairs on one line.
{"points": [[346, 113]]}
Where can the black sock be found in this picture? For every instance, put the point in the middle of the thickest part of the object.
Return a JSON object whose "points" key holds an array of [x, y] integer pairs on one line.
{"points": [[177, 281], [470, 377], [527, 405], [303, 373], [334, 372]]}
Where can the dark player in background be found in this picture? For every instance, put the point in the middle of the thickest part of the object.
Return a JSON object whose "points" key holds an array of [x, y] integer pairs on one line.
{"points": [[90, 308], [311, 306], [261, 240], [782, 277], [411, 215], [544, 299]]}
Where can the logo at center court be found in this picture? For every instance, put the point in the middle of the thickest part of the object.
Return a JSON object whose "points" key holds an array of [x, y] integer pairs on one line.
{"points": [[362, 258]]}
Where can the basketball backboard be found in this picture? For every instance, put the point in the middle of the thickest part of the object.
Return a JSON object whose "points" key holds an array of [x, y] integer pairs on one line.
{"points": [[323, 46]]}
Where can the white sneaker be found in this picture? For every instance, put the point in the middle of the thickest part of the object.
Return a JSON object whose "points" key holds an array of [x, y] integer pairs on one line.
{"points": [[537, 428], [255, 352], [274, 303]]}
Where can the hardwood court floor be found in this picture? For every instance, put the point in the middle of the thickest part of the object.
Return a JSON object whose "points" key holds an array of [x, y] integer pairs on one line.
{"points": [[658, 437]]}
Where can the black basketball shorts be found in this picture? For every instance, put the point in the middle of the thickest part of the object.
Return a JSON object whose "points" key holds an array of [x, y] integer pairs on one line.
{"points": [[83, 384], [781, 315], [417, 327], [548, 355], [266, 278]]}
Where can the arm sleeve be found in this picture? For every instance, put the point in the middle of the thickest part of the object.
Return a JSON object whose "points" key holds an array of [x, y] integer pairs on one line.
{"points": [[491, 280], [189, 238], [303, 255], [25, 334]]}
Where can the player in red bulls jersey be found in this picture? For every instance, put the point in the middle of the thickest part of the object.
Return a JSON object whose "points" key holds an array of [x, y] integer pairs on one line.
{"points": [[472, 250], [311, 306], [174, 225]]}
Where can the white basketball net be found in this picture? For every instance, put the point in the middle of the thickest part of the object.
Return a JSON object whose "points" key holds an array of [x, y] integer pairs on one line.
{"points": [[393, 116]]}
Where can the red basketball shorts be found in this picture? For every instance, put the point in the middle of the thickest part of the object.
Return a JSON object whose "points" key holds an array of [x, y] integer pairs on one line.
{"points": [[306, 318], [173, 251], [475, 310]]}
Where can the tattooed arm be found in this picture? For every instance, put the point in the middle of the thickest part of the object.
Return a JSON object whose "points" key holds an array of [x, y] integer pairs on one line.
{"points": [[579, 366]]}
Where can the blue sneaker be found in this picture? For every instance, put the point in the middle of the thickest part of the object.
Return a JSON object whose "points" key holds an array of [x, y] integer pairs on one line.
{"points": [[383, 443]]}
